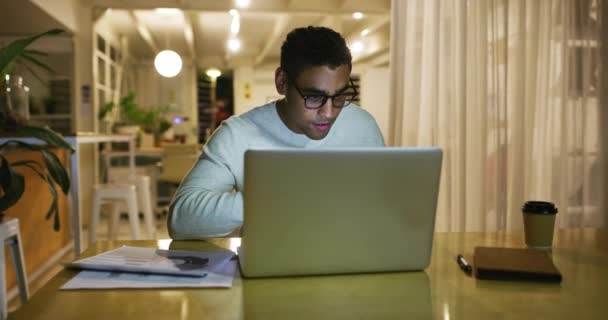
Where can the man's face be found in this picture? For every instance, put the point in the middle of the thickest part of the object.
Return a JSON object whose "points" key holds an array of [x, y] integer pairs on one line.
{"points": [[318, 80]]}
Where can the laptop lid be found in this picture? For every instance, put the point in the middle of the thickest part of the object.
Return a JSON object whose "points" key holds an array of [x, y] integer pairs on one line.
{"points": [[329, 211]]}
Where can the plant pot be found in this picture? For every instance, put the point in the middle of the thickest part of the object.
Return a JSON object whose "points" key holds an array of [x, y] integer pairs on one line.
{"points": [[132, 130]]}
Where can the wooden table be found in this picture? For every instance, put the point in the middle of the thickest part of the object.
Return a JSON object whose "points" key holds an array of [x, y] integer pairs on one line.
{"points": [[441, 292]]}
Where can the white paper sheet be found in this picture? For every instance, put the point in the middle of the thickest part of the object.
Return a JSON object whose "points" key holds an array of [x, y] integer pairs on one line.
{"points": [[152, 260], [219, 275]]}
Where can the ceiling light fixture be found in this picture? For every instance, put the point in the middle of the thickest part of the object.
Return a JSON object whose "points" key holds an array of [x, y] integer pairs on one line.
{"points": [[234, 44], [235, 24], [168, 63], [358, 15], [365, 32], [166, 10], [213, 73], [357, 46], [242, 3]]}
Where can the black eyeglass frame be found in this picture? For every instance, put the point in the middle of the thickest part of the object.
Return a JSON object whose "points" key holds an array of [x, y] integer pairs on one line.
{"points": [[325, 97]]}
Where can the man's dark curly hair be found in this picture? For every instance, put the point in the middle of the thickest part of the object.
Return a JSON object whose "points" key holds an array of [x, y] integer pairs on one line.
{"points": [[313, 46]]}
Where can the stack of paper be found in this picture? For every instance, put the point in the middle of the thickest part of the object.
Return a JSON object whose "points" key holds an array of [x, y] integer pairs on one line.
{"points": [[134, 267]]}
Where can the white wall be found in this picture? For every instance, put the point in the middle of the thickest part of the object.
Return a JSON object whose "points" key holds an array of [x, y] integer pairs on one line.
{"points": [[265, 89], [375, 95], [261, 88], [243, 87]]}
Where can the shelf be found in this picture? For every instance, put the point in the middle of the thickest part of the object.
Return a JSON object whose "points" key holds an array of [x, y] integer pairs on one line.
{"points": [[58, 116]]}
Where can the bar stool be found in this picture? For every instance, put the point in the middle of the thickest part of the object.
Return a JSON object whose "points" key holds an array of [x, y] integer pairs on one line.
{"points": [[113, 193], [9, 233], [126, 175], [144, 198], [118, 193]]}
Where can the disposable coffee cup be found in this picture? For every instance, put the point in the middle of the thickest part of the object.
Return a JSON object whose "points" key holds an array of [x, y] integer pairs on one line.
{"points": [[539, 221]]}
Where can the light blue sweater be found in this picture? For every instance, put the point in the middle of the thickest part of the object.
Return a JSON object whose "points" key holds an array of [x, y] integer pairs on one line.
{"points": [[209, 201]]}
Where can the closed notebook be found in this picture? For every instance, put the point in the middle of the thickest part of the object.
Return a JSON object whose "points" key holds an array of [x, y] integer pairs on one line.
{"points": [[514, 264]]}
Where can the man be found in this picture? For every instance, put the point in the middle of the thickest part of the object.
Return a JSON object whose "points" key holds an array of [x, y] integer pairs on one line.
{"points": [[314, 77]]}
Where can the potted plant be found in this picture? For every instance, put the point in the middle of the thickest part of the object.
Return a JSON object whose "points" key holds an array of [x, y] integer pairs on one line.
{"points": [[12, 183], [134, 120]]}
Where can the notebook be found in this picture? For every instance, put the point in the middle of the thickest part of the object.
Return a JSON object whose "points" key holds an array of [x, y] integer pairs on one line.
{"points": [[333, 211], [514, 264]]}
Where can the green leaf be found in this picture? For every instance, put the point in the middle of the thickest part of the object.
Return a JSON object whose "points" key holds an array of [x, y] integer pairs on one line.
{"points": [[53, 208], [9, 53], [12, 184], [36, 62], [105, 109], [32, 71], [7, 69], [30, 163], [49, 136], [56, 170], [53, 164], [21, 144], [53, 191], [36, 52], [56, 225]]}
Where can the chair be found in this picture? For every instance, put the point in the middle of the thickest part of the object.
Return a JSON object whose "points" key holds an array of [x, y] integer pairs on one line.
{"points": [[176, 161], [123, 188], [111, 193], [9, 233]]}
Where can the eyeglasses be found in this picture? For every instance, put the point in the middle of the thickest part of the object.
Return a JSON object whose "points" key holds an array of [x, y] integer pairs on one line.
{"points": [[339, 100]]}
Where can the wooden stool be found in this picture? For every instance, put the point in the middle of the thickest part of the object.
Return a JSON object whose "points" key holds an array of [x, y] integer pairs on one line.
{"points": [[9, 233]]}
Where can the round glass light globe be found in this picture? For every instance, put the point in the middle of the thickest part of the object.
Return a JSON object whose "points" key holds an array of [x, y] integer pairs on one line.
{"points": [[168, 63]]}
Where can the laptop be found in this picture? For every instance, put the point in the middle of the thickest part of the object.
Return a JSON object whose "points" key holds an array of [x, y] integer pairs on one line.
{"points": [[338, 211]]}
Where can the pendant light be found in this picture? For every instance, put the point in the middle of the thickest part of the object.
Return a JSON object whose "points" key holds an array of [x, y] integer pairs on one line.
{"points": [[168, 63]]}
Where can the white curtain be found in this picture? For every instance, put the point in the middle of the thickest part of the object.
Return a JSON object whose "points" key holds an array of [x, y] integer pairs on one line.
{"points": [[509, 89]]}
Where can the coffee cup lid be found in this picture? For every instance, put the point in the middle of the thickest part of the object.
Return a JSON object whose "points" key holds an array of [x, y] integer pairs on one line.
{"points": [[539, 207]]}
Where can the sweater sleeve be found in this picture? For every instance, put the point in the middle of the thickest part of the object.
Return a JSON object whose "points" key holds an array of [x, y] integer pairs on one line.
{"points": [[207, 203]]}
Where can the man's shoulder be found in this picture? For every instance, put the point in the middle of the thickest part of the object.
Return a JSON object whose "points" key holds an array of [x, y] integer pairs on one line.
{"points": [[356, 114], [246, 123], [244, 119], [255, 113], [357, 127]]}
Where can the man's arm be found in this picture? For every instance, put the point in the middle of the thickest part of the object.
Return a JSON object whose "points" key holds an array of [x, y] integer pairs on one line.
{"points": [[206, 203]]}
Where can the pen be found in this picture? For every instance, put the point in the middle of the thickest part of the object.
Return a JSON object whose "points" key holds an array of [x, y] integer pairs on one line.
{"points": [[464, 265]]}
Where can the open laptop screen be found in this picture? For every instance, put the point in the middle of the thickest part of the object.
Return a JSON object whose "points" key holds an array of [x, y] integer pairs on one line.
{"points": [[328, 211]]}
